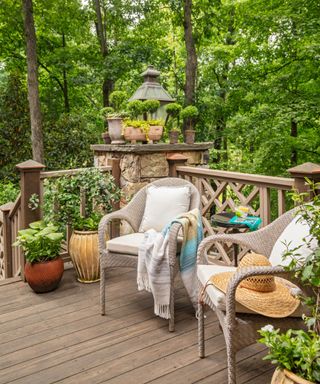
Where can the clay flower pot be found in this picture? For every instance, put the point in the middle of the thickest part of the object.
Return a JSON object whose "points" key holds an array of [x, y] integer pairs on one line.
{"points": [[134, 134], [106, 137], [115, 130], [286, 377], [190, 136], [155, 133], [44, 276], [174, 137], [84, 253]]}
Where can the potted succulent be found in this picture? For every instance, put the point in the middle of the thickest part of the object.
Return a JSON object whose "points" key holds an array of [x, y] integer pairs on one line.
{"points": [[41, 244], [189, 115], [173, 121], [80, 201], [297, 352], [115, 117]]}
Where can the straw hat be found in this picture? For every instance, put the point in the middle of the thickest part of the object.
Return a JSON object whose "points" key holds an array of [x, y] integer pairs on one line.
{"points": [[262, 294]]}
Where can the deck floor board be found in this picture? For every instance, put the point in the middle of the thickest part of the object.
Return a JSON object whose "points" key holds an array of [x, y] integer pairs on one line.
{"points": [[60, 337]]}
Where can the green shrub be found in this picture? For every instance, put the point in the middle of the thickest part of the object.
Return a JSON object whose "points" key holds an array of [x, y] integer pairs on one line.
{"points": [[117, 99], [135, 108], [8, 192], [150, 106], [40, 242]]}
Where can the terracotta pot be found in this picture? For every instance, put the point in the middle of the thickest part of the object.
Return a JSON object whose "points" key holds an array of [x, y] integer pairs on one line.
{"points": [[190, 136], [134, 134], [106, 137], [84, 253], [174, 137], [115, 130], [155, 133], [44, 276], [282, 376]]}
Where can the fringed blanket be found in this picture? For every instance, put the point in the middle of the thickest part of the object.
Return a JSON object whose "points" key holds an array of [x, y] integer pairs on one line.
{"points": [[153, 262]]}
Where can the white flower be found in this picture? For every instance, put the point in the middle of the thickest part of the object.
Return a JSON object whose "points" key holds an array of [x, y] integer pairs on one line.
{"points": [[267, 328]]}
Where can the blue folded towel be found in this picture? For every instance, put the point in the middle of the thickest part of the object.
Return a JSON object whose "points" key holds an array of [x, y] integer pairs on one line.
{"points": [[252, 222]]}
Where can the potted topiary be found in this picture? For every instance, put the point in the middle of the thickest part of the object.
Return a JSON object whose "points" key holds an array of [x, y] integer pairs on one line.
{"points": [[173, 121], [297, 352], [156, 126], [189, 115], [41, 244], [80, 201], [116, 116]]}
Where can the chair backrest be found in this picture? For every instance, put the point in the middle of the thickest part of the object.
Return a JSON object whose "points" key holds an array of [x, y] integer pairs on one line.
{"points": [[139, 200]]}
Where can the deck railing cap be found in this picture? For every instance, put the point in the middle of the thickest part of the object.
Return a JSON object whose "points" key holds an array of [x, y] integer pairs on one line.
{"points": [[6, 207], [30, 164], [305, 169]]}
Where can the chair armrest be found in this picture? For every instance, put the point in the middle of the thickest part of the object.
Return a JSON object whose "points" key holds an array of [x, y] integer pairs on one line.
{"points": [[173, 242], [122, 214], [246, 240], [244, 273]]}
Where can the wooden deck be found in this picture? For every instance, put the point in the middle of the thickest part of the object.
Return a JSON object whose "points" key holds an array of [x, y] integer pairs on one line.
{"points": [[60, 337]]}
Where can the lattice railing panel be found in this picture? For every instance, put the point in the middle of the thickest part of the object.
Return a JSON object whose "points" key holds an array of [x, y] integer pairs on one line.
{"points": [[2, 262]]}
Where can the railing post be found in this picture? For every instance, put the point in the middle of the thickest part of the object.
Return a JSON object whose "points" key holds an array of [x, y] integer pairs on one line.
{"points": [[116, 173], [175, 160], [29, 185], [7, 239], [300, 172]]}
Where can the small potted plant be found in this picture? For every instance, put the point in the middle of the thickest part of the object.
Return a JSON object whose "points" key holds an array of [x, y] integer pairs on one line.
{"points": [[115, 117], [189, 115], [80, 201], [41, 244], [297, 352], [173, 121], [105, 135]]}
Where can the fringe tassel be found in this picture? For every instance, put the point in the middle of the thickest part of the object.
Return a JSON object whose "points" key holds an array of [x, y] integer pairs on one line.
{"points": [[162, 310], [143, 283]]}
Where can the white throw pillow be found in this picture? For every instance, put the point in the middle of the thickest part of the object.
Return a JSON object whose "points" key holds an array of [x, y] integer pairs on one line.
{"points": [[163, 204], [293, 236]]}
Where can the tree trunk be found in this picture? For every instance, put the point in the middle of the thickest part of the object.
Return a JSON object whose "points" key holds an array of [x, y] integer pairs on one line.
{"points": [[191, 60], [33, 85], [294, 133], [65, 82], [101, 34]]}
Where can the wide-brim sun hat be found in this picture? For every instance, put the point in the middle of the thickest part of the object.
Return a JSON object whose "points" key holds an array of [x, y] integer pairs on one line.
{"points": [[262, 294]]}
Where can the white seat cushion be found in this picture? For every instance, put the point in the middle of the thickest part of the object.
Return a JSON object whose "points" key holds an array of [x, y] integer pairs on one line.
{"points": [[129, 244], [218, 298], [163, 204], [293, 236]]}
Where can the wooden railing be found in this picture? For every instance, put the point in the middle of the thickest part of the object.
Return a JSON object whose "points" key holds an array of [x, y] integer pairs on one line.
{"points": [[18, 215], [221, 191]]}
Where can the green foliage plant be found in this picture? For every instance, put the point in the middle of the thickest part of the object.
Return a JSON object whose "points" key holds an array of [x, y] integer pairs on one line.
{"points": [[135, 108], [173, 115], [299, 351], [117, 99], [150, 106], [40, 242], [8, 192], [189, 114], [62, 198]]}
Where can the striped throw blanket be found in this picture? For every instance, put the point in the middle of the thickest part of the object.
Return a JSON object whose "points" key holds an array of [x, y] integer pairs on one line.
{"points": [[153, 261]]}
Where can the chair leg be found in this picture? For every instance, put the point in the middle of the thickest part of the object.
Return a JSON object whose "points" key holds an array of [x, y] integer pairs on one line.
{"points": [[171, 320], [102, 291], [231, 359], [201, 330]]}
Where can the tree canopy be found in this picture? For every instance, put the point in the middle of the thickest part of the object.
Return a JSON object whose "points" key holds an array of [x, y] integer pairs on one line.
{"points": [[256, 75]]}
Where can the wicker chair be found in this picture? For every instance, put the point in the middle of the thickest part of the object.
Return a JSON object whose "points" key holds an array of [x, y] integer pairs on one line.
{"points": [[240, 329], [126, 254]]}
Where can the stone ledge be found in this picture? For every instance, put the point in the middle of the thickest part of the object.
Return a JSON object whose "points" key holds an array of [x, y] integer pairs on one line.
{"points": [[150, 148]]}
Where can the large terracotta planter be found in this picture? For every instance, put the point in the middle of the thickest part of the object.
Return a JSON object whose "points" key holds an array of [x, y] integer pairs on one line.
{"points": [[134, 134], [84, 253], [115, 130], [155, 133], [282, 376], [44, 276]]}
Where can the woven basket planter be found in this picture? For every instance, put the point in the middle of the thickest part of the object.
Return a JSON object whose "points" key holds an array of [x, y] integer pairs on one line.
{"points": [[84, 253], [282, 376]]}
